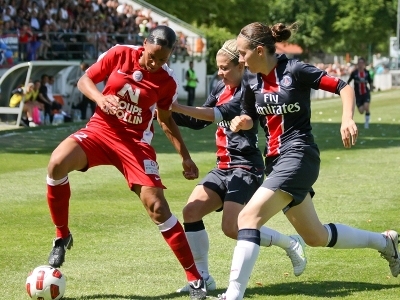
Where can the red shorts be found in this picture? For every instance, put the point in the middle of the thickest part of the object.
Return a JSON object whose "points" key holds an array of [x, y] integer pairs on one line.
{"points": [[134, 159]]}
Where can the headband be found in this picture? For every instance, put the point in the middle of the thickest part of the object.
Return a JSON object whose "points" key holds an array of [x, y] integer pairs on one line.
{"points": [[250, 39], [230, 53]]}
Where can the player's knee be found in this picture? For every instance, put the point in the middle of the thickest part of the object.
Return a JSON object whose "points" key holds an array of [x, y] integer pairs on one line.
{"points": [[246, 218], [190, 213], [230, 229], [57, 166], [158, 210], [314, 240]]}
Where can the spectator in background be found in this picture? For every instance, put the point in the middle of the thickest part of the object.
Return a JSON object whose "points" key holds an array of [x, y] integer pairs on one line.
{"points": [[20, 18], [191, 84], [45, 42], [49, 105], [30, 103], [35, 25], [6, 54], [82, 106], [24, 39], [6, 15]]}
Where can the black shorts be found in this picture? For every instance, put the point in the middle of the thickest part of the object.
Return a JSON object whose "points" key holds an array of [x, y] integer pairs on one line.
{"points": [[234, 184], [294, 172], [361, 99]]}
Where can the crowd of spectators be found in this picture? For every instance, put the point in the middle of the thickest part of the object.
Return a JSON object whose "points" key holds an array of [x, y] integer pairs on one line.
{"points": [[71, 29], [341, 70]]}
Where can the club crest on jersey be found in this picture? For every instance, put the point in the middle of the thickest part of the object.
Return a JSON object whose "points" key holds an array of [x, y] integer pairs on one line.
{"points": [[286, 81], [137, 76]]}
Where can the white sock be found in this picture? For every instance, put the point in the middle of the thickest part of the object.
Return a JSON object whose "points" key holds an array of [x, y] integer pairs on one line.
{"points": [[200, 245], [367, 118], [271, 237], [243, 261], [54, 182], [351, 238]]}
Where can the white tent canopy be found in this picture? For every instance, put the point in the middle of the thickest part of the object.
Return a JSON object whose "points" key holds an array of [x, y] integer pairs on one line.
{"points": [[23, 73]]}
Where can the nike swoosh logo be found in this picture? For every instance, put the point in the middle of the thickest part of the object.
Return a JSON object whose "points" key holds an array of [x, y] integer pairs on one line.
{"points": [[253, 85], [233, 191], [157, 178], [120, 72], [189, 267]]}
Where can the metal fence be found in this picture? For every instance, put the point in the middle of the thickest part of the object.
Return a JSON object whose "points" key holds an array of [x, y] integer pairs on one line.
{"points": [[84, 46]]}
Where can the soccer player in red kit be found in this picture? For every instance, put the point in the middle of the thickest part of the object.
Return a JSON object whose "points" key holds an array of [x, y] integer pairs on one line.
{"points": [[277, 90], [119, 134]]}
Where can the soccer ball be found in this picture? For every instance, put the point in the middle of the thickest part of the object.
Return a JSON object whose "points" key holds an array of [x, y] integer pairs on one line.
{"points": [[45, 283]]}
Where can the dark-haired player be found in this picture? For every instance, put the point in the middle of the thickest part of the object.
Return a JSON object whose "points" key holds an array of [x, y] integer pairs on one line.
{"points": [[362, 85], [277, 89], [238, 173], [119, 134]]}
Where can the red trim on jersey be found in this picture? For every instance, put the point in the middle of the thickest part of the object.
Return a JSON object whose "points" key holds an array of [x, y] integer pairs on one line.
{"points": [[275, 129], [362, 88], [328, 83], [221, 136], [274, 123], [222, 151]]}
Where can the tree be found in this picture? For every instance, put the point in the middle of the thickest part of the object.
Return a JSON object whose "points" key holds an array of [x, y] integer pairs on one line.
{"points": [[326, 26]]}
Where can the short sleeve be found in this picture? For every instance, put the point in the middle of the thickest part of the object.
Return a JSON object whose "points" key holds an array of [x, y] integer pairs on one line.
{"points": [[307, 75], [105, 64]]}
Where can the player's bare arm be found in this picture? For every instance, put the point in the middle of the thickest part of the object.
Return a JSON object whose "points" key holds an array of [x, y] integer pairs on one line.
{"points": [[201, 113], [348, 128], [172, 132]]}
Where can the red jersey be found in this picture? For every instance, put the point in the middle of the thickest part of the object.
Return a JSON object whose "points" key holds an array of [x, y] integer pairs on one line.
{"points": [[139, 91]]}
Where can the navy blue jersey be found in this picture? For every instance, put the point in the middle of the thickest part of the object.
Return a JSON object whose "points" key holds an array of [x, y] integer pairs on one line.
{"points": [[282, 99], [361, 78], [233, 149]]}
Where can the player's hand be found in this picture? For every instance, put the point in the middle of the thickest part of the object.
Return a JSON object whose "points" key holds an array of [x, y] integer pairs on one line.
{"points": [[190, 170], [237, 123], [108, 103], [349, 132]]}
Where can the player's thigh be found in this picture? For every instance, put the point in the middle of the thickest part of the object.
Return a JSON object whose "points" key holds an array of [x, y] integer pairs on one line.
{"points": [[201, 202], [264, 204], [154, 201], [67, 157], [305, 220]]}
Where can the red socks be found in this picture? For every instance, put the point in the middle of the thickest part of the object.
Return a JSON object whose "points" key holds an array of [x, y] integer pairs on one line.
{"points": [[174, 235], [58, 194]]}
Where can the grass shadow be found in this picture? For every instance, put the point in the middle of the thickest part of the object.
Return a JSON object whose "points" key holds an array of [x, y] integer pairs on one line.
{"points": [[322, 289], [131, 297]]}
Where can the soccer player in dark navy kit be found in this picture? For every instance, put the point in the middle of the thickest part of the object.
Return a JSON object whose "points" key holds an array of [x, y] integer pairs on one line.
{"points": [[362, 85], [277, 89], [119, 134], [238, 173]]}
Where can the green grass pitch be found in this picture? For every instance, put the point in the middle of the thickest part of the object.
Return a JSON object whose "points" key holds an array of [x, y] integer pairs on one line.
{"points": [[119, 254]]}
